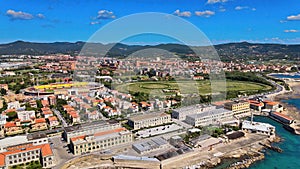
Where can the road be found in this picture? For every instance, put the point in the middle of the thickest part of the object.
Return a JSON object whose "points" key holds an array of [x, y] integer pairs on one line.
{"points": [[58, 114]]}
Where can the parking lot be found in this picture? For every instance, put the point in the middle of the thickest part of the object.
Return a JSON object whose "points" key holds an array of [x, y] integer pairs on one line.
{"points": [[60, 150]]}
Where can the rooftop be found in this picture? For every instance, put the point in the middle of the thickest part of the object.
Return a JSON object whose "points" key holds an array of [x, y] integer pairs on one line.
{"points": [[209, 113], [127, 157], [283, 116], [147, 145], [33, 136], [147, 116], [257, 126], [196, 107], [10, 141]]}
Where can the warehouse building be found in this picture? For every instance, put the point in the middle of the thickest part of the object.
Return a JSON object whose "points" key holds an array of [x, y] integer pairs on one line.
{"points": [[258, 127], [182, 112], [147, 146], [148, 120], [217, 116]]}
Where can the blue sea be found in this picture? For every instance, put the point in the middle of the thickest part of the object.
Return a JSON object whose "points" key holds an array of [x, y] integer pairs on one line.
{"points": [[281, 76], [290, 157]]}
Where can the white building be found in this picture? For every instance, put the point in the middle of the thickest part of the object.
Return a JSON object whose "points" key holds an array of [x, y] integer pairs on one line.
{"points": [[182, 112], [216, 116], [258, 127], [26, 115], [148, 120]]}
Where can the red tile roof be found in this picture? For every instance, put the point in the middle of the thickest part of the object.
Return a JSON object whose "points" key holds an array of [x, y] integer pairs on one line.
{"points": [[52, 118], [2, 160], [44, 148], [272, 103], [47, 112], [283, 116], [40, 120], [10, 124]]}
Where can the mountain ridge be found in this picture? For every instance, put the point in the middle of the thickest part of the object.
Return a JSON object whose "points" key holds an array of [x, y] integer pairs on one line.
{"points": [[227, 51]]}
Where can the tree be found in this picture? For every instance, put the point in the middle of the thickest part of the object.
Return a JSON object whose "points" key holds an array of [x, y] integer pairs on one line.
{"points": [[12, 116], [3, 91]]}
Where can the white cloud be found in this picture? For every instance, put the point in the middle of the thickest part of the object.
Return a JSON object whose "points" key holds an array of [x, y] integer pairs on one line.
{"points": [[183, 13], [206, 13], [294, 17], [253, 9], [105, 14], [222, 9], [94, 22], [215, 1], [241, 7], [19, 15], [291, 31], [41, 16]]}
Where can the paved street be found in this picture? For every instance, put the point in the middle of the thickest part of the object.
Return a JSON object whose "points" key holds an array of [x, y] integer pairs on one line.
{"points": [[61, 151], [58, 114]]}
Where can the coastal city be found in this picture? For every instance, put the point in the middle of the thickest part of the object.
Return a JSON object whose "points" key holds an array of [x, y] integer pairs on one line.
{"points": [[152, 84], [51, 121]]}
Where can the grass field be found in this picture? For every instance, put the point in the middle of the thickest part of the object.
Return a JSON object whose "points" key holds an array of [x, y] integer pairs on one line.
{"points": [[188, 87]]}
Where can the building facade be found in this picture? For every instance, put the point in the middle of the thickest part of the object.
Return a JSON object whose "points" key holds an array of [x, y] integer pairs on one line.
{"points": [[22, 149], [212, 117], [100, 140], [148, 120], [239, 108], [182, 112]]}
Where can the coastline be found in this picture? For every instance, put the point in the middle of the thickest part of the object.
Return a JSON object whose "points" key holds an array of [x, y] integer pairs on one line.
{"points": [[289, 109]]}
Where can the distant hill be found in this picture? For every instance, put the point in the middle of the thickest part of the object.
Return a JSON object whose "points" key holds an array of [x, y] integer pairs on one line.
{"points": [[229, 51]]}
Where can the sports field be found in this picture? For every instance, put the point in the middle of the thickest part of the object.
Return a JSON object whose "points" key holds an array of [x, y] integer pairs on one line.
{"points": [[188, 87]]}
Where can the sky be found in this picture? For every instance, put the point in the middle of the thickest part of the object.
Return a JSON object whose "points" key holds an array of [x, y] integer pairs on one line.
{"points": [[221, 21]]}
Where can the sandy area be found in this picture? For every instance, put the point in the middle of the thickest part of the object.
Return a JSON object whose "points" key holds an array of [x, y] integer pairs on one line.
{"points": [[289, 109]]}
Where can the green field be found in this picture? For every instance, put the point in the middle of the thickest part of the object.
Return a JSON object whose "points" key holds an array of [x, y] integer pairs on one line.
{"points": [[188, 87]]}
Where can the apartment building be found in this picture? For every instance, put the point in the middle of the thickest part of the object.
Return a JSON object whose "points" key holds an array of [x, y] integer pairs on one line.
{"points": [[100, 140], [216, 116], [239, 108], [22, 149], [149, 120]]}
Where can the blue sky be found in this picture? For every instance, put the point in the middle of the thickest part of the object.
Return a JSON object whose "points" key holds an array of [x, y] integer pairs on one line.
{"points": [[265, 21]]}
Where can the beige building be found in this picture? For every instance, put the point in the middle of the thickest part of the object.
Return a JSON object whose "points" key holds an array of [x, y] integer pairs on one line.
{"points": [[239, 108], [89, 128], [22, 149], [100, 140], [21, 154], [148, 120]]}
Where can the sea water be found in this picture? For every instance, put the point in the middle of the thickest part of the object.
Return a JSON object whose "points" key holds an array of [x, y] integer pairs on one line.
{"points": [[290, 157], [285, 76]]}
